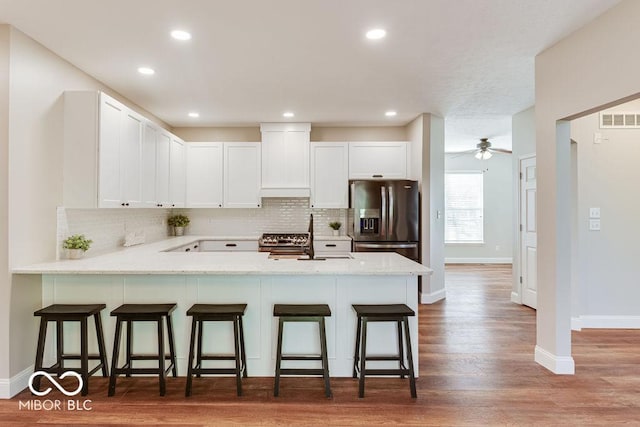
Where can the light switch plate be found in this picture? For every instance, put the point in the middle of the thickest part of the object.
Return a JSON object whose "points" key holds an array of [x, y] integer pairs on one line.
{"points": [[594, 224], [594, 212]]}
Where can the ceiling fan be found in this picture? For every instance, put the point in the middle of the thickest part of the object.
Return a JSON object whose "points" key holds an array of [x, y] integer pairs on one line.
{"points": [[484, 151]]}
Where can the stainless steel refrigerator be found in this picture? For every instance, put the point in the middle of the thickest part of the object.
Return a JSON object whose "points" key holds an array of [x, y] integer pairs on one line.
{"points": [[385, 217]]}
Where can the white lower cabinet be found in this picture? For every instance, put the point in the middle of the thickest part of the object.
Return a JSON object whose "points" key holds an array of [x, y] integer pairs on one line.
{"points": [[328, 247], [329, 175]]}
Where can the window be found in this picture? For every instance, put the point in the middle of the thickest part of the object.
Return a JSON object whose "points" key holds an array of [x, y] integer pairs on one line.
{"points": [[463, 201]]}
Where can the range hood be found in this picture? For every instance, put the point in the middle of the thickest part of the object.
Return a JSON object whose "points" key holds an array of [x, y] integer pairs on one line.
{"points": [[285, 192]]}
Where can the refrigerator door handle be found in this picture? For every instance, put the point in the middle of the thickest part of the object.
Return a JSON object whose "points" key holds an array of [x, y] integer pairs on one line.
{"points": [[391, 210], [383, 226]]}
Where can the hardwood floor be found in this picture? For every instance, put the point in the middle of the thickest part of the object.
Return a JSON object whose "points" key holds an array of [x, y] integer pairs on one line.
{"points": [[476, 368]]}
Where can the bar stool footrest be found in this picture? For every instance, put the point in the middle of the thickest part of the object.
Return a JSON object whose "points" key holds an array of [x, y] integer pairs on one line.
{"points": [[301, 371], [301, 357], [387, 372]]}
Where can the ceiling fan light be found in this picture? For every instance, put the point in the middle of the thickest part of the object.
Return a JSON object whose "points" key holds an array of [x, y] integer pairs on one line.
{"points": [[479, 155]]}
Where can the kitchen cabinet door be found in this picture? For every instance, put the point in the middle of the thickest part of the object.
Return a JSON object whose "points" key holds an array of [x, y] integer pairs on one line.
{"points": [[377, 160], [285, 155], [130, 159], [163, 164], [110, 132], [148, 165], [242, 175], [329, 175], [204, 175], [177, 177]]}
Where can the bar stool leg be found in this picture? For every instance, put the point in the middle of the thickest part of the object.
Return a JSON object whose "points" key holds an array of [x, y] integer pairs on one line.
{"points": [[114, 359], [276, 386], [84, 356], [242, 350], [400, 349], [172, 348], [163, 388], [129, 346], [59, 347], [363, 357], [194, 325], [412, 378], [199, 352], [236, 340], [357, 351], [42, 335], [101, 347], [325, 359]]}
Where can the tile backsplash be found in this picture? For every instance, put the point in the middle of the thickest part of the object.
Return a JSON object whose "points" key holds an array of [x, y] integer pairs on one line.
{"points": [[107, 227]]}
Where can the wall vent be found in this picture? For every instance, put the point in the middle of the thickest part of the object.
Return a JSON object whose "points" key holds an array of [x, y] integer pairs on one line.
{"points": [[619, 120]]}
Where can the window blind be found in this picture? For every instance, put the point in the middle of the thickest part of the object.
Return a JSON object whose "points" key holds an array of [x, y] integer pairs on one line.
{"points": [[463, 196]]}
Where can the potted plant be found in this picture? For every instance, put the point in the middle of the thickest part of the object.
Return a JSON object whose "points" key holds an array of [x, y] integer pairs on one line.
{"points": [[335, 226], [178, 222], [76, 246]]}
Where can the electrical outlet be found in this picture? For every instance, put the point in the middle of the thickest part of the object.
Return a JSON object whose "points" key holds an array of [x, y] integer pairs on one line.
{"points": [[594, 212], [594, 224], [497, 248]]}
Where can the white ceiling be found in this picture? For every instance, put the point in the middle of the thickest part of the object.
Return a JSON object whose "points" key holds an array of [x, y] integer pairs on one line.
{"points": [[470, 61]]}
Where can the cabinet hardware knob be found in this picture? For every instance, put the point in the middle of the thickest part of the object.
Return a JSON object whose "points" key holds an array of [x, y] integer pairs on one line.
{"points": [[231, 245], [187, 250], [330, 245]]}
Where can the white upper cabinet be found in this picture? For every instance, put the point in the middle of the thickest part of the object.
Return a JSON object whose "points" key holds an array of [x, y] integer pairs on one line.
{"points": [[204, 174], [177, 170], [329, 175], [285, 159], [242, 174], [378, 160], [114, 157]]}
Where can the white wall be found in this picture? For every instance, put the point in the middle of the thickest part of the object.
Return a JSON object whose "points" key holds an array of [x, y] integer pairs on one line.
{"points": [[608, 177], [569, 83], [523, 143], [498, 210], [36, 80]]}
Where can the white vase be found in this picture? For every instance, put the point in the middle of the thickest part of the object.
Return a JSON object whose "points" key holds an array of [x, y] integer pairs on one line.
{"points": [[75, 253], [178, 231], [336, 232]]}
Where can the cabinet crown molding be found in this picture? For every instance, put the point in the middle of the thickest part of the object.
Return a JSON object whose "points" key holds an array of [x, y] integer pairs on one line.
{"points": [[283, 127]]}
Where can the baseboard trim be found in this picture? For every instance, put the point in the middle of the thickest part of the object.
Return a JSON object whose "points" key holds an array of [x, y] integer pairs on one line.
{"points": [[561, 365], [605, 322], [14, 385], [478, 260], [515, 298], [433, 297]]}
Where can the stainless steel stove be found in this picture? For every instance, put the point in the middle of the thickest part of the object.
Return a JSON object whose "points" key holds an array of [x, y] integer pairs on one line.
{"points": [[284, 243]]}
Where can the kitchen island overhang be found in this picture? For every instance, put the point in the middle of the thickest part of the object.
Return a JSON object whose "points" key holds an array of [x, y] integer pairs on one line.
{"points": [[147, 274]]}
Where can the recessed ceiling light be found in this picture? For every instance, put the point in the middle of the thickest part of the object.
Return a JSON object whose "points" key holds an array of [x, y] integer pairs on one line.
{"points": [[288, 114], [376, 34], [180, 35], [194, 114], [146, 71], [390, 114]]}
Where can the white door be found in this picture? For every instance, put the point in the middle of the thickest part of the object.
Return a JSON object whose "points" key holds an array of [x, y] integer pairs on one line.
{"points": [[177, 178], [111, 112], [528, 232], [329, 175], [130, 153], [204, 175]]}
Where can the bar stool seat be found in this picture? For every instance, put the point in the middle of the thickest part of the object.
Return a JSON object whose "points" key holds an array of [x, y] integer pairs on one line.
{"points": [[302, 313], [216, 313], [129, 313], [61, 313], [398, 313]]}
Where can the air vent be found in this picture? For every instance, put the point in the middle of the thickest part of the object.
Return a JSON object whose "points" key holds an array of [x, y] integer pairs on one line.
{"points": [[619, 120]]}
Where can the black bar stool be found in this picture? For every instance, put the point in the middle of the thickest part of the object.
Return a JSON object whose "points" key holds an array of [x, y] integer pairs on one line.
{"points": [[217, 313], [61, 313], [302, 313], [130, 313], [383, 313]]}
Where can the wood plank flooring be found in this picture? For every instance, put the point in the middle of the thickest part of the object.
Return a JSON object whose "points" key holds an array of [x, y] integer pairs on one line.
{"points": [[476, 368]]}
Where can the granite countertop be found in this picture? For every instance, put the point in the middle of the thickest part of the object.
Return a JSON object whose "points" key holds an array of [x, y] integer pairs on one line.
{"points": [[151, 258]]}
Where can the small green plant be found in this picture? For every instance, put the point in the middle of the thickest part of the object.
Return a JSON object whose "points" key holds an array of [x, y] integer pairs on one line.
{"points": [[178, 221], [77, 241], [335, 225]]}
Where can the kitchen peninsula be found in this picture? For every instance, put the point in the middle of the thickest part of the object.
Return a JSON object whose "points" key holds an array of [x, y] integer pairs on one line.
{"points": [[151, 273]]}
